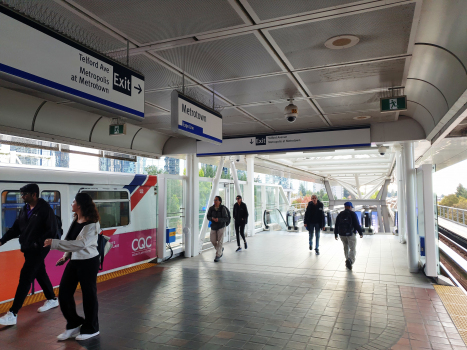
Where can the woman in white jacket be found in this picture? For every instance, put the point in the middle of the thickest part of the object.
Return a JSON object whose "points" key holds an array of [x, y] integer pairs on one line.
{"points": [[80, 247]]}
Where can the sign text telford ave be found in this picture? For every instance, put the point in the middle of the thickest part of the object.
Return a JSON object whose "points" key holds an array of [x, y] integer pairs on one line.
{"points": [[37, 57], [195, 120]]}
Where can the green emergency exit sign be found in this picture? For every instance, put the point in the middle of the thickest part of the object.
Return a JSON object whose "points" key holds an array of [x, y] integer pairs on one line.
{"points": [[391, 104], [117, 129]]}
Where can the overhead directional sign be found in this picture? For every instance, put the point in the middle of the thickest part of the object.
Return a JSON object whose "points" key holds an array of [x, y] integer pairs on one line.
{"points": [[287, 142], [35, 56], [192, 119], [392, 104]]}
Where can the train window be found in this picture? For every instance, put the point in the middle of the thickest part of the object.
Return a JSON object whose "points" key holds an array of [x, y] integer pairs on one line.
{"points": [[53, 198], [113, 207], [11, 206]]}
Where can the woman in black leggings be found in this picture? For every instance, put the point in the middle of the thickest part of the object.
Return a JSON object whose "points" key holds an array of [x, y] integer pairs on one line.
{"points": [[240, 214], [80, 247]]}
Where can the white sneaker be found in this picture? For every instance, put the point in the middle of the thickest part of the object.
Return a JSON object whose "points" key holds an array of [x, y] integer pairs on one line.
{"points": [[69, 333], [49, 304], [86, 336], [9, 319]]}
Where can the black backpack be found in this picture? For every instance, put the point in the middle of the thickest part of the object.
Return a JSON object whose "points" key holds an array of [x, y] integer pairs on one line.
{"points": [[229, 218], [345, 227], [59, 233]]}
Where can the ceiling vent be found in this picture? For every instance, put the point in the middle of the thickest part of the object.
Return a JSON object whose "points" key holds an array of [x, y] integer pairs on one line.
{"points": [[341, 42]]}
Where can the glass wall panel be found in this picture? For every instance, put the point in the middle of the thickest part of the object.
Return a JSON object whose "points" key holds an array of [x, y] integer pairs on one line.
{"points": [[258, 212], [175, 213]]}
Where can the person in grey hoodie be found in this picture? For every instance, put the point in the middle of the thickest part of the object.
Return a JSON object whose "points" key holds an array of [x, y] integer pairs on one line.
{"points": [[218, 216]]}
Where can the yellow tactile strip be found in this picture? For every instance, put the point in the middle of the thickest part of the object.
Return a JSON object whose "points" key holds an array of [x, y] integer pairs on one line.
{"points": [[40, 296], [455, 302]]}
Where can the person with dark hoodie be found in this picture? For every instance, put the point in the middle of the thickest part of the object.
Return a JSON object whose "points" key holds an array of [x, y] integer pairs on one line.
{"points": [[240, 215], [314, 220], [35, 223]]}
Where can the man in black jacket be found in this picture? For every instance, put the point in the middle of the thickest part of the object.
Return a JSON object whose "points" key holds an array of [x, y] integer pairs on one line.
{"points": [[240, 215], [36, 222], [314, 220], [346, 227]]}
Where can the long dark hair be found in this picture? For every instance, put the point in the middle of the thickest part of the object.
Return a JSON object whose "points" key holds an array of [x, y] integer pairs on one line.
{"points": [[87, 206]]}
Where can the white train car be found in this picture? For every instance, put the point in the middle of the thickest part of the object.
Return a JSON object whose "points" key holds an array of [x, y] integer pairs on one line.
{"points": [[127, 204]]}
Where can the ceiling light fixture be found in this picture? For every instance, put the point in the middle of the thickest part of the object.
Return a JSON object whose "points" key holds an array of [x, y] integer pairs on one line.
{"points": [[362, 117], [341, 42]]}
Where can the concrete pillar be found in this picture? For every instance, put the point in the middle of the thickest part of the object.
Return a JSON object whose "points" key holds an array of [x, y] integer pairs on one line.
{"points": [[401, 197], [235, 178], [250, 192], [162, 215], [192, 207], [412, 241]]}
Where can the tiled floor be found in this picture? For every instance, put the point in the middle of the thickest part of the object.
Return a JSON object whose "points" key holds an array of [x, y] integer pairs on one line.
{"points": [[275, 295]]}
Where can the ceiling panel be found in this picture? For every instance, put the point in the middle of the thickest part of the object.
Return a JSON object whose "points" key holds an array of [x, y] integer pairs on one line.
{"points": [[149, 21], [259, 89], [357, 77], [354, 103], [268, 9], [346, 119], [150, 111], [229, 58], [155, 75], [381, 32], [276, 110], [52, 14], [245, 128], [159, 98]]}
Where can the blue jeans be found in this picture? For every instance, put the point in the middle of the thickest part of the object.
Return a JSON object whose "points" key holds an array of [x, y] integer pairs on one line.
{"points": [[317, 230]]}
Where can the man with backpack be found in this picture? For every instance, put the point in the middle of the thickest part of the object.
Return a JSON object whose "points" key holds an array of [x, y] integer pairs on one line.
{"points": [[35, 223], [219, 216], [346, 227]]}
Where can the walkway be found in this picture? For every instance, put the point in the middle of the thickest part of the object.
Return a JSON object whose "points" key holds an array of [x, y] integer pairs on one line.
{"points": [[275, 295]]}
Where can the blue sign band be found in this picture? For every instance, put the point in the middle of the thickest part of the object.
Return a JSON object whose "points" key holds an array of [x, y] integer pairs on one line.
{"points": [[196, 130], [51, 84]]}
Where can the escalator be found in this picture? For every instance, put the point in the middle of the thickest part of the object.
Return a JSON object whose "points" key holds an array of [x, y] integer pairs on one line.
{"points": [[273, 219]]}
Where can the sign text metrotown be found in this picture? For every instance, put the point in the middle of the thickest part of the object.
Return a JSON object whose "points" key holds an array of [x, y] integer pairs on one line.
{"points": [[193, 113]]}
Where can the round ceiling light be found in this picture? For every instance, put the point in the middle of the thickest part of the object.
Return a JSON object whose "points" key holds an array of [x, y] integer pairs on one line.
{"points": [[341, 42], [362, 117]]}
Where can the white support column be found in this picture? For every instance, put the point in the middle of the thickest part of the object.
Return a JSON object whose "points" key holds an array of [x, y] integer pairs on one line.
{"points": [[188, 229], [162, 216], [330, 195], [412, 244], [384, 207], [235, 178], [214, 192], [357, 183], [195, 206], [401, 195], [250, 192]]}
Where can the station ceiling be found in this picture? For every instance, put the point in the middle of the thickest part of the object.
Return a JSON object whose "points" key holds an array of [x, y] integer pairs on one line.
{"points": [[253, 55], [248, 57]]}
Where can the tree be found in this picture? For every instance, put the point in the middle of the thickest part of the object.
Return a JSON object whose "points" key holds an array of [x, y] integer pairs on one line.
{"points": [[462, 203], [461, 191], [346, 193], [450, 200], [302, 189], [154, 170], [201, 172], [374, 195], [241, 175]]}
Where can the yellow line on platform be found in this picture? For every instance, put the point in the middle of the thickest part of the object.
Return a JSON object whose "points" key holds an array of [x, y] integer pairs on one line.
{"points": [[31, 299], [455, 302]]}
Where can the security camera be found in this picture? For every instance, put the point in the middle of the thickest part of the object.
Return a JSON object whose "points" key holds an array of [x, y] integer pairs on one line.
{"points": [[291, 111], [237, 158], [382, 150]]}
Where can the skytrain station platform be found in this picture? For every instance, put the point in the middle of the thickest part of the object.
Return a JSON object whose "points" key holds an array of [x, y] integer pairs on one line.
{"points": [[274, 295]]}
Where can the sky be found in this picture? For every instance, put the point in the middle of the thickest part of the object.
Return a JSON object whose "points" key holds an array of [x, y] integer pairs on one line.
{"points": [[446, 180]]}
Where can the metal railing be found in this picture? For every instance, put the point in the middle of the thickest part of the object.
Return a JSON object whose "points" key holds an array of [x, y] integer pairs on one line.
{"points": [[453, 214], [304, 205]]}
